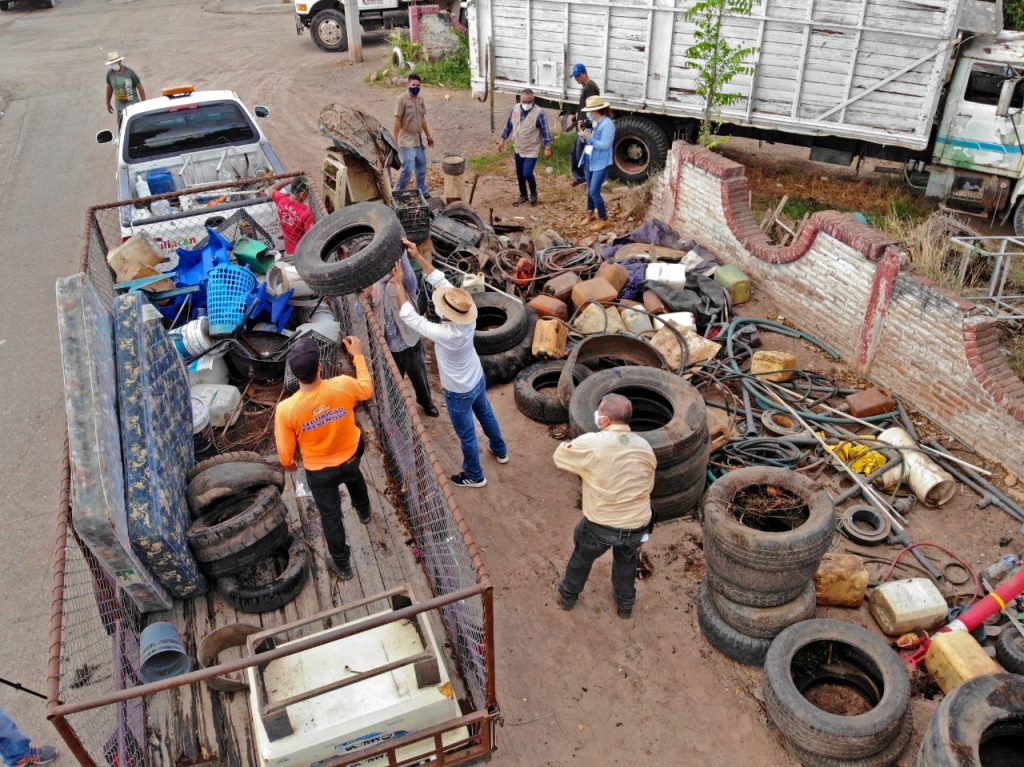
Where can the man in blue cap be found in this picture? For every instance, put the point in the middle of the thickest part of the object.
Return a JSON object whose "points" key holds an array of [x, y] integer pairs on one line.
{"points": [[588, 88]]}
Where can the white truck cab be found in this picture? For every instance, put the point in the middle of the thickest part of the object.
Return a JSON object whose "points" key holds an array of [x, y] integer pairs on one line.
{"points": [[186, 139], [325, 19]]}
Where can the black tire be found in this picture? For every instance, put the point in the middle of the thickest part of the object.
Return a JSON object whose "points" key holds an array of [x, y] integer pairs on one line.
{"points": [[217, 460], [678, 505], [673, 478], [1018, 218], [434, 204], [502, 368], [229, 479], [232, 516], [822, 650], [639, 150], [744, 596], [248, 548], [216, 642], [766, 622], [884, 758], [724, 637], [605, 350], [500, 323], [370, 236], [981, 722], [328, 31], [784, 584], [536, 391], [667, 411], [1010, 650], [5, 6], [293, 572], [791, 542], [464, 214]]}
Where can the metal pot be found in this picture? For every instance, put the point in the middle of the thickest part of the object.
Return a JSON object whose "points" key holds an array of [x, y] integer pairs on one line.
{"points": [[260, 356]]}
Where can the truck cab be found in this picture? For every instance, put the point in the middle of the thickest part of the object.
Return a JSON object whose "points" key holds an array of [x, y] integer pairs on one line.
{"points": [[325, 19]]}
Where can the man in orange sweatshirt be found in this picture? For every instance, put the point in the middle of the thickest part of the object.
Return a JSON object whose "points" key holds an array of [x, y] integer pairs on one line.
{"points": [[320, 419]]}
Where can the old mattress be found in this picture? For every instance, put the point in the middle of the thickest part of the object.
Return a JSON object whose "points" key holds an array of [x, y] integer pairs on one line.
{"points": [[156, 440], [97, 480]]}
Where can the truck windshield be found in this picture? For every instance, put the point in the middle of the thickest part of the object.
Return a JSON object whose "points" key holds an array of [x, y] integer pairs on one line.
{"points": [[186, 129]]}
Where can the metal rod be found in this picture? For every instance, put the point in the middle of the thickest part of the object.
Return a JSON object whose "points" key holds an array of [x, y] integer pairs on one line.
{"points": [[846, 495], [988, 493]]}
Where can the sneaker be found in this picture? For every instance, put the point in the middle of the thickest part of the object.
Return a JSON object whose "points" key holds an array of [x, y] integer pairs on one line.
{"points": [[345, 573], [462, 480], [520, 200], [41, 755], [624, 613], [498, 458], [564, 603]]}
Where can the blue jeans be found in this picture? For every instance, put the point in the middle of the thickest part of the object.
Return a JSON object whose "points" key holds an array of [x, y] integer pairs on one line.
{"points": [[524, 175], [13, 742], [595, 179], [461, 409], [577, 153], [413, 158], [591, 540]]}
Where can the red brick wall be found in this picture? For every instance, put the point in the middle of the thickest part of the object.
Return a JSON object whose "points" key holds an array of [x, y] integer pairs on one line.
{"points": [[844, 283]]}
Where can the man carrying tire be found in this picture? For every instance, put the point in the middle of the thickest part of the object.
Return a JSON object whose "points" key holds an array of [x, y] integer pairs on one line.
{"points": [[320, 419], [410, 129], [462, 376], [617, 468]]}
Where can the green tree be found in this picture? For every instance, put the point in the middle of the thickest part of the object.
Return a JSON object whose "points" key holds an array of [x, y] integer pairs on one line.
{"points": [[1013, 14], [717, 61]]}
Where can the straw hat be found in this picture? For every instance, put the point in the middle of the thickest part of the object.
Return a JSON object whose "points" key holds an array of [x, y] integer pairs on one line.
{"points": [[455, 304], [113, 57], [595, 103]]}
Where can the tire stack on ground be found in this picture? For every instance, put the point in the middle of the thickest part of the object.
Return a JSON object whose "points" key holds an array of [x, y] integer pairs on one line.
{"points": [[670, 414], [504, 336], [839, 695], [765, 532], [240, 534], [536, 390]]}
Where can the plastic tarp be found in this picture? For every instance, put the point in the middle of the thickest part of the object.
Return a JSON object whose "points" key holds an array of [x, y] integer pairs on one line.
{"points": [[156, 437], [97, 482]]}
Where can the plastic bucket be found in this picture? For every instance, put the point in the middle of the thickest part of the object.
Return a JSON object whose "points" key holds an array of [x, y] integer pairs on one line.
{"points": [[202, 429], [162, 653], [195, 335]]}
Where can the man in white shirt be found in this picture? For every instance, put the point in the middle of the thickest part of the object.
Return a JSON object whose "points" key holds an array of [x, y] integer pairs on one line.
{"points": [[462, 376], [617, 468]]}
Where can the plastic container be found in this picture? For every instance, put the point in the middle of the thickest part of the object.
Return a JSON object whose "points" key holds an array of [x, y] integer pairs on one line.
{"points": [[228, 292], [283, 276], [616, 274], [653, 303], [549, 338], [474, 283], [202, 429], [141, 187], [930, 483], [413, 213], [561, 286], [682, 320], [772, 366], [670, 274], [549, 306], [841, 581], [221, 402], [208, 370], [593, 290], [160, 180], [735, 282], [637, 322], [955, 656], [598, 319], [907, 605], [873, 401], [162, 653], [196, 336]]}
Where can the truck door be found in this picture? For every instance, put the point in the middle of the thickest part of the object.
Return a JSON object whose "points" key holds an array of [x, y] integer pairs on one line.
{"points": [[971, 135]]}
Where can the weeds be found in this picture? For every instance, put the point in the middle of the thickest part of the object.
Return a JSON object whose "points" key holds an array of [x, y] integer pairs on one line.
{"points": [[560, 162], [452, 71]]}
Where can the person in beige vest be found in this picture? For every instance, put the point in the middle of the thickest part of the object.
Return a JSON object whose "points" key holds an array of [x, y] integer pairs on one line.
{"points": [[528, 128]]}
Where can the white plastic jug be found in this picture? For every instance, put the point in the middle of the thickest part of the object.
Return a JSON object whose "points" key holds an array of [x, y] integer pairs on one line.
{"points": [[473, 283], [637, 322], [221, 402], [208, 370], [682, 320], [671, 274]]}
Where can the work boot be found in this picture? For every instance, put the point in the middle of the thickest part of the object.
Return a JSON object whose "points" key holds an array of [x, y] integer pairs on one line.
{"points": [[564, 603], [600, 225], [345, 573], [533, 199], [591, 216], [624, 613]]}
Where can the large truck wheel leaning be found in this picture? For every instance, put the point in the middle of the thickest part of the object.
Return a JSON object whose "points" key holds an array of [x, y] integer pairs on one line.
{"points": [[640, 149], [350, 250], [1018, 218], [328, 31]]}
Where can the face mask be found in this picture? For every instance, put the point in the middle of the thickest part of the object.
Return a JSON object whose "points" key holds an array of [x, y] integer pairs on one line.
{"points": [[414, 89], [115, 67], [527, 106], [597, 419]]}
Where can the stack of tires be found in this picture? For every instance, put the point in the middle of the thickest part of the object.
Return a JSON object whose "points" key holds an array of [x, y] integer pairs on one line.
{"points": [[240, 535], [868, 724], [760, 566], [670, 414], [504, 336]]}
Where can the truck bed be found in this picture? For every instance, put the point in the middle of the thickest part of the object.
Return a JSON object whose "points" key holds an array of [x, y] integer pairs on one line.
{"points": [[862, 69]]}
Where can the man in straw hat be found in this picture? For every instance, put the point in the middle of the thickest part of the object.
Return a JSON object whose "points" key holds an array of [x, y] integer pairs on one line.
{"points": [[122, 84], [462, 376]]}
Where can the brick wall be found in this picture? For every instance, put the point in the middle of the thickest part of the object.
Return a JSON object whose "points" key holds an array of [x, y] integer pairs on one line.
{"points": [[434, 30], [843, 282]]}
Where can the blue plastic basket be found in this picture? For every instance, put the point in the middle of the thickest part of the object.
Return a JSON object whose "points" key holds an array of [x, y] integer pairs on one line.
{"points": [[228, 292]]}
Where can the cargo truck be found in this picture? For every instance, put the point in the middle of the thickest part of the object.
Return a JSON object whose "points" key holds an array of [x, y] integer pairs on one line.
{"points": [[325, 19], [934, 84]]}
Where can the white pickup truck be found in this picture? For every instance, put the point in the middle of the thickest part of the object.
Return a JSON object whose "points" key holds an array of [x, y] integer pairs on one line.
{"points": [[188, 139]]}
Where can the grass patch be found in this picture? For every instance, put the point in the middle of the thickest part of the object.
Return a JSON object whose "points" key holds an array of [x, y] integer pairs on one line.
{"points": [[452, 71], [798, 207]]}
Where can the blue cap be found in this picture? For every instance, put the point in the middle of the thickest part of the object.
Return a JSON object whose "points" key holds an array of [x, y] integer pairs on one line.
{"points": [[578, 69]]}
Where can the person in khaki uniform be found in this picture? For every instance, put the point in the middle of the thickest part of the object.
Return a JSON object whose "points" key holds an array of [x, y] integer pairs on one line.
{"points": [[528, 127], [617, 468], [410, 130]]}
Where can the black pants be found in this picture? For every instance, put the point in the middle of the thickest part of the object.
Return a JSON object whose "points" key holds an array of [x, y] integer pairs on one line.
{"points": [[591, 541], [412, 363], [323, 484]]}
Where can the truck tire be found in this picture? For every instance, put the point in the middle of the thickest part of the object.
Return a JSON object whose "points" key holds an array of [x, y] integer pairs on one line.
{"points": [[766, 622], [292, 571], [328, 31], [500, 323], [231, 516], [814, 651], [505, 366], [981, 722], [370, 236], [230, 479], [887, 757], [1010, 650], [639, 149], [1018, 218], [536, 391], [237, 455], [724, 637], [216, 642], [250, 547]]}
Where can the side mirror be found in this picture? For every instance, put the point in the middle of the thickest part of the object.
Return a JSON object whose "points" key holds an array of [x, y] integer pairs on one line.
{"points": [[104, 137], [262, 111], [1006, 92]]}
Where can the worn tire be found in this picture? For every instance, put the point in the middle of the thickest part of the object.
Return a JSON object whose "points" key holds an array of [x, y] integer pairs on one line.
{"points": [[229, 479], [644, 138], [766, 622], [231, 516], [846, 652], [783, 584], [213, 644], [981, 715], [504, 367], [238, 455], [794, 548], [536, 391], [1010, 650], [677, 505], [690, 470], [370, 228], [724, 637], [597, 352], [328, 31], [504, 323], [464, 214], [667, 411], [249, 548], [751, 598], [884, 758], [293, 574]]}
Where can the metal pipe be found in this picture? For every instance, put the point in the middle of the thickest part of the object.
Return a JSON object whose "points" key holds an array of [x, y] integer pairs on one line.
{"points": [[984, 491], [846, 495]]}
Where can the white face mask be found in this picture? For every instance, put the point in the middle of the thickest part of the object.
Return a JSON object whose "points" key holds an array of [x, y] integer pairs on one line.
{"points": [[597, 419], [115, 66], [527, 106]]}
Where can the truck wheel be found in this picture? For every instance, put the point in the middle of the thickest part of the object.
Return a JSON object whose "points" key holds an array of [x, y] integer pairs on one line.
{"points": [[1018, 218], [328, 31], [5, 6], [640, 149]]}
